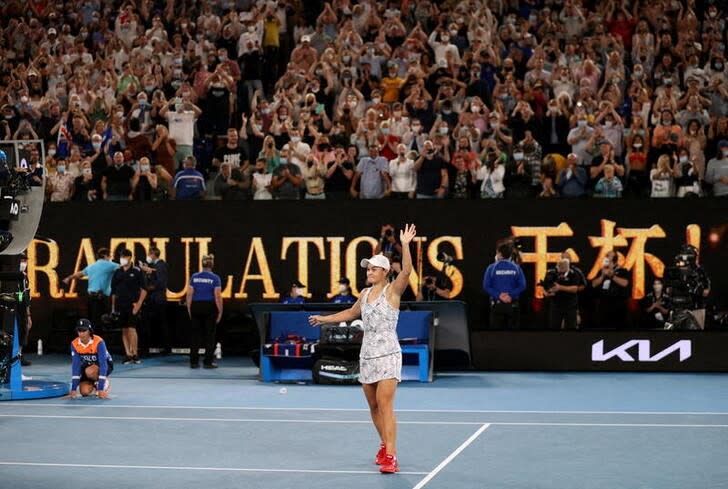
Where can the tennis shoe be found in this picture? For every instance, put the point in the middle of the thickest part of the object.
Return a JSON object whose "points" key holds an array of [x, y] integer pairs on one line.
{"points": [[390, 465], [381, 455]]}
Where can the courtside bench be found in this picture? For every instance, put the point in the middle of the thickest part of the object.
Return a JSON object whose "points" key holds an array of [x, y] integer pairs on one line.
{"points": [[415, 330]]}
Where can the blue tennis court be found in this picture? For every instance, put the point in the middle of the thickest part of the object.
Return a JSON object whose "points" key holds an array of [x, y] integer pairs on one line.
{"points": [[168, 426]]}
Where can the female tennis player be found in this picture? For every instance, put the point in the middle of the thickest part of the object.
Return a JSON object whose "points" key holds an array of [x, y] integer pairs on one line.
{"points": [[380, 358]]}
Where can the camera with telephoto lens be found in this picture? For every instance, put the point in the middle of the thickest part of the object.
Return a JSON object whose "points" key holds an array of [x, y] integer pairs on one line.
{"points": [[549, 280], [388, 233], [111, 320], [683, 282]]}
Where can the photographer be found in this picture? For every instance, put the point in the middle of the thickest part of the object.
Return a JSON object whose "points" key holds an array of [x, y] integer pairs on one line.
{"points": [[387, 244], [99, 276], [563, 284], [612, 290], [434, 289], [654, 309]]}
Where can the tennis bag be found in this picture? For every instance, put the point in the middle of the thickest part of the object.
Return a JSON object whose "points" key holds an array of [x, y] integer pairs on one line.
{"points": [[329, 370], [341, 335]]}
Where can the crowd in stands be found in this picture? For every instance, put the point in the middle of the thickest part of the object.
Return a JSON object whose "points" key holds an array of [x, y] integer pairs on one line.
{"points": [[286, 99]]}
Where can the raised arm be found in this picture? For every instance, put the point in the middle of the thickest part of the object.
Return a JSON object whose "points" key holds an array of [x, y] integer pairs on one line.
{"points": [[402, 281]]}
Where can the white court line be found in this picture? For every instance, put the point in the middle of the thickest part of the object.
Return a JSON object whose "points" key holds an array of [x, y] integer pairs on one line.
{"points": [[451, 457], [80, 403], [204, 469], [337, 421], [229, 420]]}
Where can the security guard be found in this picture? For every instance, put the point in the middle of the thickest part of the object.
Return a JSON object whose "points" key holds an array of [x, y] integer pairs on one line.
{"points": [[127, 296], [296, 294], [99, 276], [204, 305], [504, 282], [91, 362], [344, 296]]}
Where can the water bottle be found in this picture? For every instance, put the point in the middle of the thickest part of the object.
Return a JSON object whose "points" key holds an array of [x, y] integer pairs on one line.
{"points": [[218, 351], [40, 347]]}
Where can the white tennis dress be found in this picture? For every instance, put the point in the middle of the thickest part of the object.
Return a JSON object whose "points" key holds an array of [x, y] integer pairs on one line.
{"points": [[380, 357]]}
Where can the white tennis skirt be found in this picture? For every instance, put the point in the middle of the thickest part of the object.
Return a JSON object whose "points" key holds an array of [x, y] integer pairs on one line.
{"points": [[372, 370]]}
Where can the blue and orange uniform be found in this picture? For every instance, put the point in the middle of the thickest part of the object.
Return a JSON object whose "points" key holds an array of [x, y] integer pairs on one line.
{"points": [[86, 354]]}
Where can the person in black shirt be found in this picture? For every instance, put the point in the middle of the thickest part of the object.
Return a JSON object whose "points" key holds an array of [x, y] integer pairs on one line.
{"points": [[127, 296], [432, 178], [654, 308], [84, 186], [563, 285], [612, 291], [157, 278], [147, 181], [118, 180], [338, 176], [231, 153], [435, 289]]}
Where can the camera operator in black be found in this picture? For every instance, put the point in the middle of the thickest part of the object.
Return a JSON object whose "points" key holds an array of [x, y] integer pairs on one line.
{"points": [[157, 277], [563, 284], [612, 292], [655, 310], [434, 289], [25, 320], [127, 296], [690, 287], [387, 244]]}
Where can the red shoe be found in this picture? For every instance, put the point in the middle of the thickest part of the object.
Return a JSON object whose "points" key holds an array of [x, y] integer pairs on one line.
{"points": [[381, 455], [390, 465]]}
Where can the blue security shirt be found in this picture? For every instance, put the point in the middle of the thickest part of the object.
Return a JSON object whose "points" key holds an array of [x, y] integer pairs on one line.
{"points": [[189, 184], [99, 276], [204, 284], [504, 276], [343, 299], [293, 300]]}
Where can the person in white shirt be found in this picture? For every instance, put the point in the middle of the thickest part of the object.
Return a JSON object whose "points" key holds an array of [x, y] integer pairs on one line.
{"points": [[404, 176], [261, 181], [439, 41], [181, 122]]}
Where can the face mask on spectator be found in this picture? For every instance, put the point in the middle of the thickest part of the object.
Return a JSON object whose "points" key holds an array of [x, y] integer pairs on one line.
{"points": [[86, 171], [51, 152], [283, 117], [494, 125], [581, 123], [124, 262], [295, 139], [284, 161], [518, 156], [61, 169], [416, 128], [444, 129], [144, 168], [120, 114], [376, 100], [637, 145], [683, 159], [343, 289], [385, 130]]}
